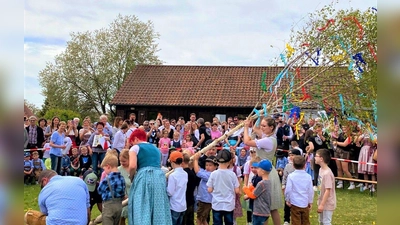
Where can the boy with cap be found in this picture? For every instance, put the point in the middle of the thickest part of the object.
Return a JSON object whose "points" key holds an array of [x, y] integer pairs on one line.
{"points": [[261, 193], [38, 165], [299, 193], [176, 188], [91, 180], [289, 168], [28, 168], [223, 185]]}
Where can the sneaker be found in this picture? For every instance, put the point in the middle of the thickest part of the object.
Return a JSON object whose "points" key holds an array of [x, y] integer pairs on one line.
{"points": [[315, 189], [352, 186], [372, 189], [287, 223], [365, 188], [340, 185], [359, 185]]}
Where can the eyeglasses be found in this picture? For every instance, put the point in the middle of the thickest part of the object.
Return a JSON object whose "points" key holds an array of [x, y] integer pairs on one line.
{"points": [[317, 156], [145, 124], [231, 124], [32, 120], [151, 123]]}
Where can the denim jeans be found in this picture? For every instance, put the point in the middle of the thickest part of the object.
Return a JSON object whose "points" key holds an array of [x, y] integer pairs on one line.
{"points": [[325, 218], [225, 216], [56, 163], [97, 158], [177, 217], [259, 220]]}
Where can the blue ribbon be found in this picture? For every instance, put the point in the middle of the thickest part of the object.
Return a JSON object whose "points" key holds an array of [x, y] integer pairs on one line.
{"points": [[341, 103], [265, 109], [347, 49], [257, 112], [283, 58], [295, 111]]}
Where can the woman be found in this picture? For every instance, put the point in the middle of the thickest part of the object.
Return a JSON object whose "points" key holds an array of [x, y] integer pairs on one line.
{"points": [[168, 128], [85, 132], [124, 170], [56, 147], [266, 148], [148, 200], [117, 124], [52, 127], [95, 148], [343, 152], [42, 124], [232, 141], [72, 131]]}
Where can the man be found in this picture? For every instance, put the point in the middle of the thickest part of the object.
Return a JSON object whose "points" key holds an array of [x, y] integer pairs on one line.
{"points": [[35, 135], [236, 120], [62, 200], [146, 126], [205, 133], [311, 123], [192, 117], [132, 118]]}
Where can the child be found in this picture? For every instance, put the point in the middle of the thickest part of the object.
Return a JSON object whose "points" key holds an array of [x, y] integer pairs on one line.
{"points": [[112, 190], [85, 161], [299, 193], [65, 164], [112, 152], [193, 181], [75, 169], [289, 168], [237, 212], [203, 197], [176, 142], [223, 185], [252, 180], [28, 168], [46, 151], [295, 145], [164, 144], [47, 163], [38, 165], [188, 143], [281, 162], [261, 194], [91, 180], [326, 189], [176, 188]]}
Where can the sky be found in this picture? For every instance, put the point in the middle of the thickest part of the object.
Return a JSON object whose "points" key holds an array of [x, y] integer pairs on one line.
{"points": [[206, 32]]}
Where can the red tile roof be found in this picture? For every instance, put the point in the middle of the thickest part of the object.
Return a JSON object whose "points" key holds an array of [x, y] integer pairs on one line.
{"points": [[218, 86], [27, 111]]}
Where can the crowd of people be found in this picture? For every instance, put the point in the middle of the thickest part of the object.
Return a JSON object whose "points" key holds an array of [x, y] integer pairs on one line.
{"points": [[158, 167]]}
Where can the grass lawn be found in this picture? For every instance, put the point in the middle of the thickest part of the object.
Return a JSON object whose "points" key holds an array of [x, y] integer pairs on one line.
{"points": [[353, 207]]}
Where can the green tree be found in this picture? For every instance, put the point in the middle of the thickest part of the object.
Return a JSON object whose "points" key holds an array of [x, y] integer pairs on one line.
{"points": [[35, 110], [93, 66], [340, 37], [63, 114]]}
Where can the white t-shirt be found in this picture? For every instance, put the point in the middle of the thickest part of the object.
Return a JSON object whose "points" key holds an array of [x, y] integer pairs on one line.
{"points": [[223, 182]]}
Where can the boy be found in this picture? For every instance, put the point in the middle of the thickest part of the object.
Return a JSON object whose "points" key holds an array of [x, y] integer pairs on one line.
{"points": [[281, 162], [289, 168], [295, 145], [176, 188], [223, 185], [85, 161], [28, 168], [91, 180], [261, 194], [65, 164], [299, 193], [75, 169], [38, 165], [203, 197], [326, 189], [188, 218], [112, 190], [254, 179]]}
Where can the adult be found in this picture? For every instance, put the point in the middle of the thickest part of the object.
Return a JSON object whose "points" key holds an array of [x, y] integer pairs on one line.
{"points": [[42, 123], [72, 131], [35, 135], [55, 122], [232, 141], [153, 136], [132, 118], [78, 127], [266, 148], [148, 204], [192, 118], [342, 151], [95, 148], [56, 147], [85, 132], [119, 142], [107, 127], [284, 135], [204, 133], [117, 124], [62, 200], [168, 128]]}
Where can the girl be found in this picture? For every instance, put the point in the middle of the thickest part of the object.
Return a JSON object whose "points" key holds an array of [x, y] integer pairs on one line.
{"points": [[215, 133], [176, 142], [117, 124], [72, 132], [85, 132], [367, 151], [55, 122], [124, 170], [164, 144], [188, 143]]}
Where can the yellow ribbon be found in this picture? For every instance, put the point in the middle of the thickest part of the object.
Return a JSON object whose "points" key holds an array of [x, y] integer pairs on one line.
{"points": [[290, 50]]}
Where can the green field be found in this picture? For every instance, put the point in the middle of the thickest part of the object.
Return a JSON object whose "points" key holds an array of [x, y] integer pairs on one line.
{"points": [[353, 207]]}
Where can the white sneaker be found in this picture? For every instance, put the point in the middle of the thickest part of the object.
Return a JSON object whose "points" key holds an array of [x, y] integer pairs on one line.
{"points": [[352, 186], [287, 223], [340, 185], [365, 188], [372, 189], [315, 189], [359, 185]]}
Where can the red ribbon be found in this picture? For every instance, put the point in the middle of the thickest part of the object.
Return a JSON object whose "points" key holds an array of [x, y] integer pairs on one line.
{"points": [[331, 21], [371, 49], [361, 30]]}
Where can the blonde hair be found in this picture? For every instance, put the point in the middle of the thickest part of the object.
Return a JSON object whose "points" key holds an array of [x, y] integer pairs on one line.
{"points": [[112, 152], [124, 154], [109, 159], [256, 159]]}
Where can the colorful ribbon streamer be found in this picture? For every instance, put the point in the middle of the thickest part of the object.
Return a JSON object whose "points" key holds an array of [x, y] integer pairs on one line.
{"points": [[346, 49], [330, 21], [342, 103], [257, 112], [289, 50], [371, 49], [359, 59], [283, 59], [263, 84], [316, 61], [265, 109], [361, 29]]}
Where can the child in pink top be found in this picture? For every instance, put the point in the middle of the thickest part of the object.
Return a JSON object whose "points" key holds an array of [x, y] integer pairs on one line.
{"points": [[163, 144], [188, 143], [215, 133]]}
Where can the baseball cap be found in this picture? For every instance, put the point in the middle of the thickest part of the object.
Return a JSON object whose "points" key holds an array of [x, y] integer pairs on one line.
{"points": [[264, 164], [90, 178], [295, 152], [27, 154], [306, 126], [224, 156], [175, 155]]}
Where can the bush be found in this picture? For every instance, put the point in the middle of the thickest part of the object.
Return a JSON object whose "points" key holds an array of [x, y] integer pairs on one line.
{"points": [[63, 114]]}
